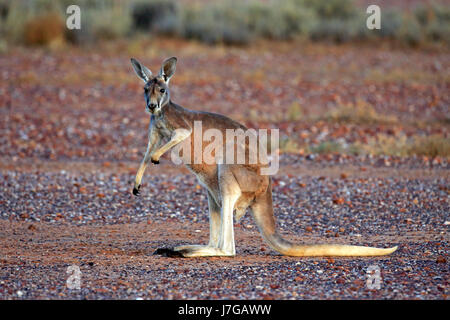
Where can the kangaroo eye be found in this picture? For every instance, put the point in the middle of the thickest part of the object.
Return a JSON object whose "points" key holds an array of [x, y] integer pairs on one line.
{"points": [[162, 90], [146, 90]]}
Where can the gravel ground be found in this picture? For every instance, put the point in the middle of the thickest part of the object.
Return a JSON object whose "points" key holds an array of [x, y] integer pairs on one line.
{"points": [[73, 130], [52, 219]]}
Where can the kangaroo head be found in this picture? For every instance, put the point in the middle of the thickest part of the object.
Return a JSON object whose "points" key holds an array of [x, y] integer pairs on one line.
{"points": [[156, 88]]}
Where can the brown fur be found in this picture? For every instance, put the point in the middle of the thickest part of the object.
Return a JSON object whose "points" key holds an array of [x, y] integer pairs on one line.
{"points": [[230, 187]]}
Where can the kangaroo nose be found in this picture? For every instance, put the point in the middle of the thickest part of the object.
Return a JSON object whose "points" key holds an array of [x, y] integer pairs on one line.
{"points": [[152, 106]]}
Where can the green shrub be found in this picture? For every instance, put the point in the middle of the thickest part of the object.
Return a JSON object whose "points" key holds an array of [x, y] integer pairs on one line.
{"points": [[410, 32], [285, 22], [436, 31], [333, 29], [227, 21], [435, 21], [4, 10], [110, 24], [157, 15], [330, 9], [31, 22], [259, 15], [216, 24], [13, 25], [391, 22], [427, 14]]}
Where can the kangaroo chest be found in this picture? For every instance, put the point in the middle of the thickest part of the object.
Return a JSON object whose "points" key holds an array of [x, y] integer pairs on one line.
{"points": [[164, 129]]}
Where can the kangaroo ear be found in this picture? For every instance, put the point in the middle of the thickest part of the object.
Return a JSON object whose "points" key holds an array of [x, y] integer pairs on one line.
{"points": [[142, 71], [168, 68]]}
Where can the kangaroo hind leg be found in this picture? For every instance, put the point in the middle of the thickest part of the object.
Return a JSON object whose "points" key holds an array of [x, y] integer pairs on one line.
{"points": [[229, 194], [201, 250]]}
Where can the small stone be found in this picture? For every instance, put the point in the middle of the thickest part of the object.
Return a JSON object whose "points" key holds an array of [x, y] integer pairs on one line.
{"points": [[338, 200]]}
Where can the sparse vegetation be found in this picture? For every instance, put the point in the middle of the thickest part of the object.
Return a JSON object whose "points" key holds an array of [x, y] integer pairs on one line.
{"points": [[327, 147], [288, 145], [435, 19], [231, 22], [156, 16], [359, 113], [382, 144], [294, 112], [352, 128], [433, 146], [103, 29]]}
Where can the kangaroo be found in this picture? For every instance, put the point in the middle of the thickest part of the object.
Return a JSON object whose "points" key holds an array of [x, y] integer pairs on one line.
{"points": [[231, 188]]}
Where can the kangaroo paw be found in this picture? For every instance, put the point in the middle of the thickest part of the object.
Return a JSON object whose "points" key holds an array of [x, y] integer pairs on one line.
{"points": [[168, 252], [136, 190], [190, 251]]}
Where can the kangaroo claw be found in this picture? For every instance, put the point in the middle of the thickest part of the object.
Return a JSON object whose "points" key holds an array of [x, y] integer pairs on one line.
{"points": [[136, 190]]}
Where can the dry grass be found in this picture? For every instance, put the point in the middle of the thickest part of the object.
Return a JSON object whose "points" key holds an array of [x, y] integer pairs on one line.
{"points": [[406, 75], [382, 144], [433, 146], [359, 113], [294, 112], [327, 147], [45, 29], [289, 145]]}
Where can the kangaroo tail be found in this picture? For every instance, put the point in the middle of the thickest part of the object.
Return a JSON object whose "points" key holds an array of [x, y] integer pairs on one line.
{"points": [[262, 210]]}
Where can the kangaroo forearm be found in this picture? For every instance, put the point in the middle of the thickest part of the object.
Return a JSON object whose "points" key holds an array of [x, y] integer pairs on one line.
{"points": [[158, 153], [179, 136], [140, 173], [153, 143]]}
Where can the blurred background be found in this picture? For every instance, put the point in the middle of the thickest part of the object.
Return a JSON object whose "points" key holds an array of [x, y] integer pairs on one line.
{"points": [[41, 22], [311, 68]]}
